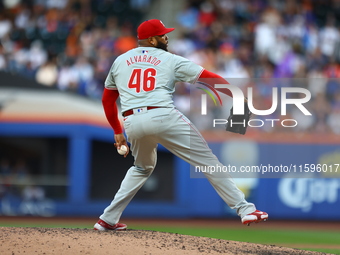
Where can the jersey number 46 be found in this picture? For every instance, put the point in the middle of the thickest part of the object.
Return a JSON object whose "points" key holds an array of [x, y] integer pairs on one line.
{"points": [[142, 80]]}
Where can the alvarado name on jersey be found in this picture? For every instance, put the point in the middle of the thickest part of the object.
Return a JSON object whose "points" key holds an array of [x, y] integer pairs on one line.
{"points": [[143, 58]]}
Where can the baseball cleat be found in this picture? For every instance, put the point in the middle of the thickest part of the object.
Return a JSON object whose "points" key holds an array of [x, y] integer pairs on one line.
{"points": [[256, 217], [103, 226]]}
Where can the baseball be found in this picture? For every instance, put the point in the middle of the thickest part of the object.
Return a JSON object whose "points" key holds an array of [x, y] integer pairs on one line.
{"points": [[123, 149]]}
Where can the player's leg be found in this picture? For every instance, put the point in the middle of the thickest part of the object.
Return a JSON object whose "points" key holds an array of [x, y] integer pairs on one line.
{"points": [[184, 140], [141, 130], [144, 151]]}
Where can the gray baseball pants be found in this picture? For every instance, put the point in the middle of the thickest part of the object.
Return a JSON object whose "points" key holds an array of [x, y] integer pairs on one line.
{"points": [[169, 127]]}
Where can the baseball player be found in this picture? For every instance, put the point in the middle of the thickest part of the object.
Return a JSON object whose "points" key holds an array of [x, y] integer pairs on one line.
{"points": [[145, 78]]}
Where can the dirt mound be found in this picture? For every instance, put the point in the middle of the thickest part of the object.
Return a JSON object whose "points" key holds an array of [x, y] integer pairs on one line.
{"points": [[67, 241]]}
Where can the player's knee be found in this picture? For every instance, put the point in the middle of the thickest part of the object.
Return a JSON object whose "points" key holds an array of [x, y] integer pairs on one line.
{"points": [[145, 170]]}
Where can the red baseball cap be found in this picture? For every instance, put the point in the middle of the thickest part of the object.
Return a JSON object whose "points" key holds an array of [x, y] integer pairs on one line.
{"points": [[152, 27]]}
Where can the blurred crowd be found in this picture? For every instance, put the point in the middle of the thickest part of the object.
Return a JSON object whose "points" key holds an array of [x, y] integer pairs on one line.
{"points": [[71, 44], [16, 180], [269, 43]]}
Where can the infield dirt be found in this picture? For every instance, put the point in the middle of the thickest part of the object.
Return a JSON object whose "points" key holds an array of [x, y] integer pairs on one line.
{"points": [[56, 241]]}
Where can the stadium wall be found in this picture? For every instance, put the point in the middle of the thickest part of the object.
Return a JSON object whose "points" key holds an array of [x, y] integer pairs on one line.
{"points": [[305, 197]]}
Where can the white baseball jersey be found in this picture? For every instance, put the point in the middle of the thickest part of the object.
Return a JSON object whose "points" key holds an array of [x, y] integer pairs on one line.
{"points": [[142, 70], [146, 76]]}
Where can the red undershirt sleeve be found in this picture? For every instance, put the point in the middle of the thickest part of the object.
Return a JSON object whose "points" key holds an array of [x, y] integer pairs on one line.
{"points": [[111, 110], [214, 79]]}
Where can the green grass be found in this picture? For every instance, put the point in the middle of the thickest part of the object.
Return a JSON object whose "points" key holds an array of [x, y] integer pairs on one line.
{"points": [[262, 236], [330, 251], [277, 237], [256, 235]]}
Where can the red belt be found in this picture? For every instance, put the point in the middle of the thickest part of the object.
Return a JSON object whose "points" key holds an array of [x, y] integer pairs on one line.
{"points": [[130, 112]]}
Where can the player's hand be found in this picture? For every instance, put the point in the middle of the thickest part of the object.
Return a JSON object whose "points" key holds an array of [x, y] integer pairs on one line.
{"points": [[121, 140]]}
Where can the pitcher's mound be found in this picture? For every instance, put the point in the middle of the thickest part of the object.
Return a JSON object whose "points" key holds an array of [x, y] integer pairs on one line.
{"points": [[58, 241]]}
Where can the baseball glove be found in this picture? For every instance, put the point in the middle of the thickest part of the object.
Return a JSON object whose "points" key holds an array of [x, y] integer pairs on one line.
{"points": [[238, 123]]}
